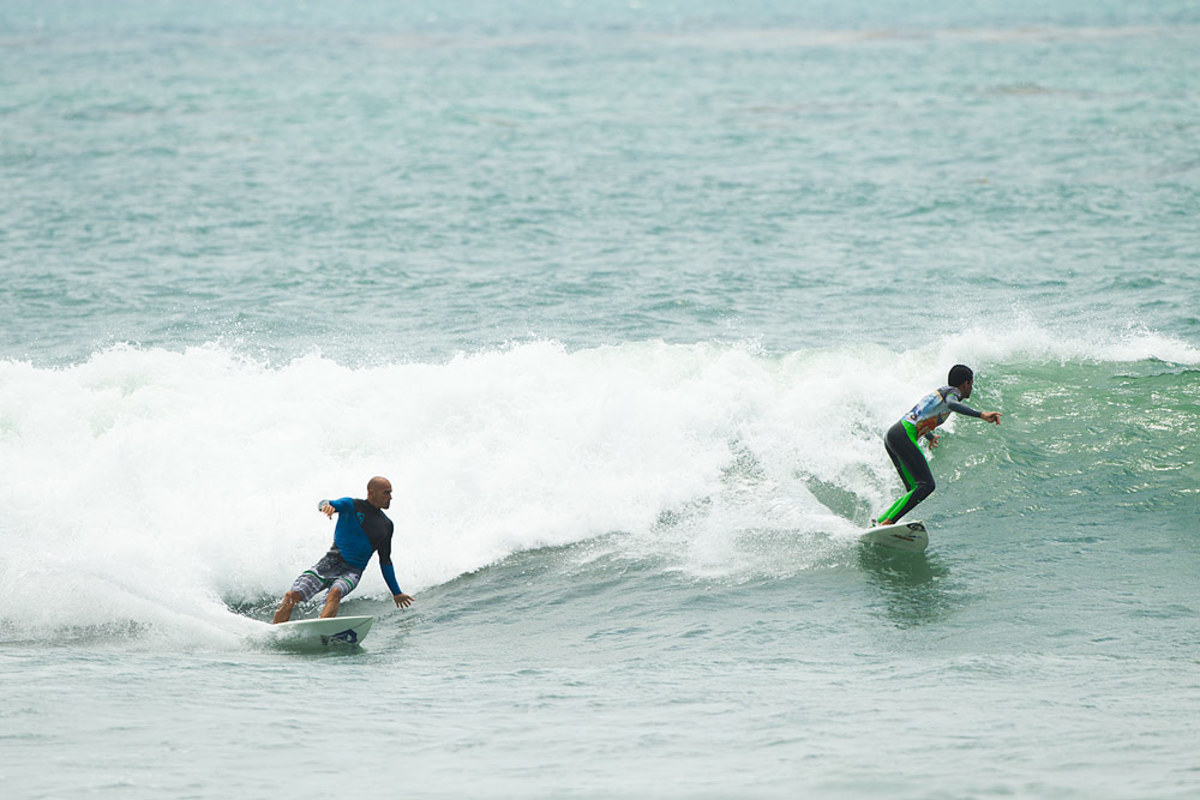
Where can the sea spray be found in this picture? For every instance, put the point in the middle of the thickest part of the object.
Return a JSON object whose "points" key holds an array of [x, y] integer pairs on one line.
{"points": [[184, 481]]}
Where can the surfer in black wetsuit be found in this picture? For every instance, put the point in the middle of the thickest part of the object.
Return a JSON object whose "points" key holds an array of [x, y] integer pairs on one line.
{"points": [[362, 530]]}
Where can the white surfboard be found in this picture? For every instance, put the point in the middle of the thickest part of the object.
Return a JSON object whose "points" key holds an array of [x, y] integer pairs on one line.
{"points": [[910, 536], [323, 632]]}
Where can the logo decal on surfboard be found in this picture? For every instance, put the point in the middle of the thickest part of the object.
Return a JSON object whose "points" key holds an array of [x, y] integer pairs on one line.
{"points": [[348, 636]]}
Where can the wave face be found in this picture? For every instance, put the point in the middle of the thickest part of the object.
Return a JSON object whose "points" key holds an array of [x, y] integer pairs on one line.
{"points": [[160, 490]]}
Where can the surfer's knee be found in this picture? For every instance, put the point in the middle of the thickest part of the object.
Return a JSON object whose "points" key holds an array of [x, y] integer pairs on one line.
{"points": [[924, 488], [293, 597]]}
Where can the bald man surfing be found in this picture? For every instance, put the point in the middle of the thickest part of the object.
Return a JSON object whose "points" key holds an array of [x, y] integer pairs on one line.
{"points": [[362, 530]]}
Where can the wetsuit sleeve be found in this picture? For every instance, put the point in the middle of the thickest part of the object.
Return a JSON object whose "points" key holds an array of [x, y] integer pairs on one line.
{"points": [[959, 408], [389, 575], [386, 567], [343, 505]]}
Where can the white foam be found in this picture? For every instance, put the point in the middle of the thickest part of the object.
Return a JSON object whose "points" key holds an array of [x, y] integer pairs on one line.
{"points": [[155, 486]]}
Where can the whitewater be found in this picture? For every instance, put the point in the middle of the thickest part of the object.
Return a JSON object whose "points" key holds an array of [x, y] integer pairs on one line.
{"points": [[199, 469]]}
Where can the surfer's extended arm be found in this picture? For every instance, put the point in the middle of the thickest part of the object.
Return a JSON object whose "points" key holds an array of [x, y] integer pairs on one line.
{"points": [[389, 575], [961, 408], [331, 507]]}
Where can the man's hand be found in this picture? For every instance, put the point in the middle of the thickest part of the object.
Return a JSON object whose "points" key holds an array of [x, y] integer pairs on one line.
{"points": [[991, 416], [328, 510], [402, 600], [932, 439]]}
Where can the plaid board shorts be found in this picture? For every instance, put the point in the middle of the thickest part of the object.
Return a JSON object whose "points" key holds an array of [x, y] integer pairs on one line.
{"points": [[331, 571]]}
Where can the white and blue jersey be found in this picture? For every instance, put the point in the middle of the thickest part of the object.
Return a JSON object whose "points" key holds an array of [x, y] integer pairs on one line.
{"points": [[934, 408]]}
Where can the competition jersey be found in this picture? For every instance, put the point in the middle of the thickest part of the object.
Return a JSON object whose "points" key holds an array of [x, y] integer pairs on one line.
{"points": [[934, 408], [361, 531]]}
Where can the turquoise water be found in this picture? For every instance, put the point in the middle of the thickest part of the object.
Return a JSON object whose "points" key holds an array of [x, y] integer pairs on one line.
{"points": [[621, 296]]}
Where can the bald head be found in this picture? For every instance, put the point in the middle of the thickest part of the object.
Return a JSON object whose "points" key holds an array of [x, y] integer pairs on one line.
{"points": [[379, 492]]}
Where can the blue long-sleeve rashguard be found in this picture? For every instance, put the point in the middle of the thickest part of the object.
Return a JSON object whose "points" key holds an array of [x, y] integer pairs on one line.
{"points": [[362, 530]]}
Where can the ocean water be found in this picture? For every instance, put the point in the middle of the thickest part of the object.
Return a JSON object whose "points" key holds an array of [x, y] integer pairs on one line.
{"points": [[621, 296]]}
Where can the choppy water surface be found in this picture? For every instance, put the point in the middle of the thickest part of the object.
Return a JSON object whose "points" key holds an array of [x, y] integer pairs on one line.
{"points": [[621, 298]]}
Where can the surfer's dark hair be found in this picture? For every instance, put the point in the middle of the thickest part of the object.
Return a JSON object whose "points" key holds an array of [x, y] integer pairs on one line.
{"points": [[960, 374]]}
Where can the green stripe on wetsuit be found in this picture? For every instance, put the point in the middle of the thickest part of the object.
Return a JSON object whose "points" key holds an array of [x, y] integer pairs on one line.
{"points": [[908, 460]]}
